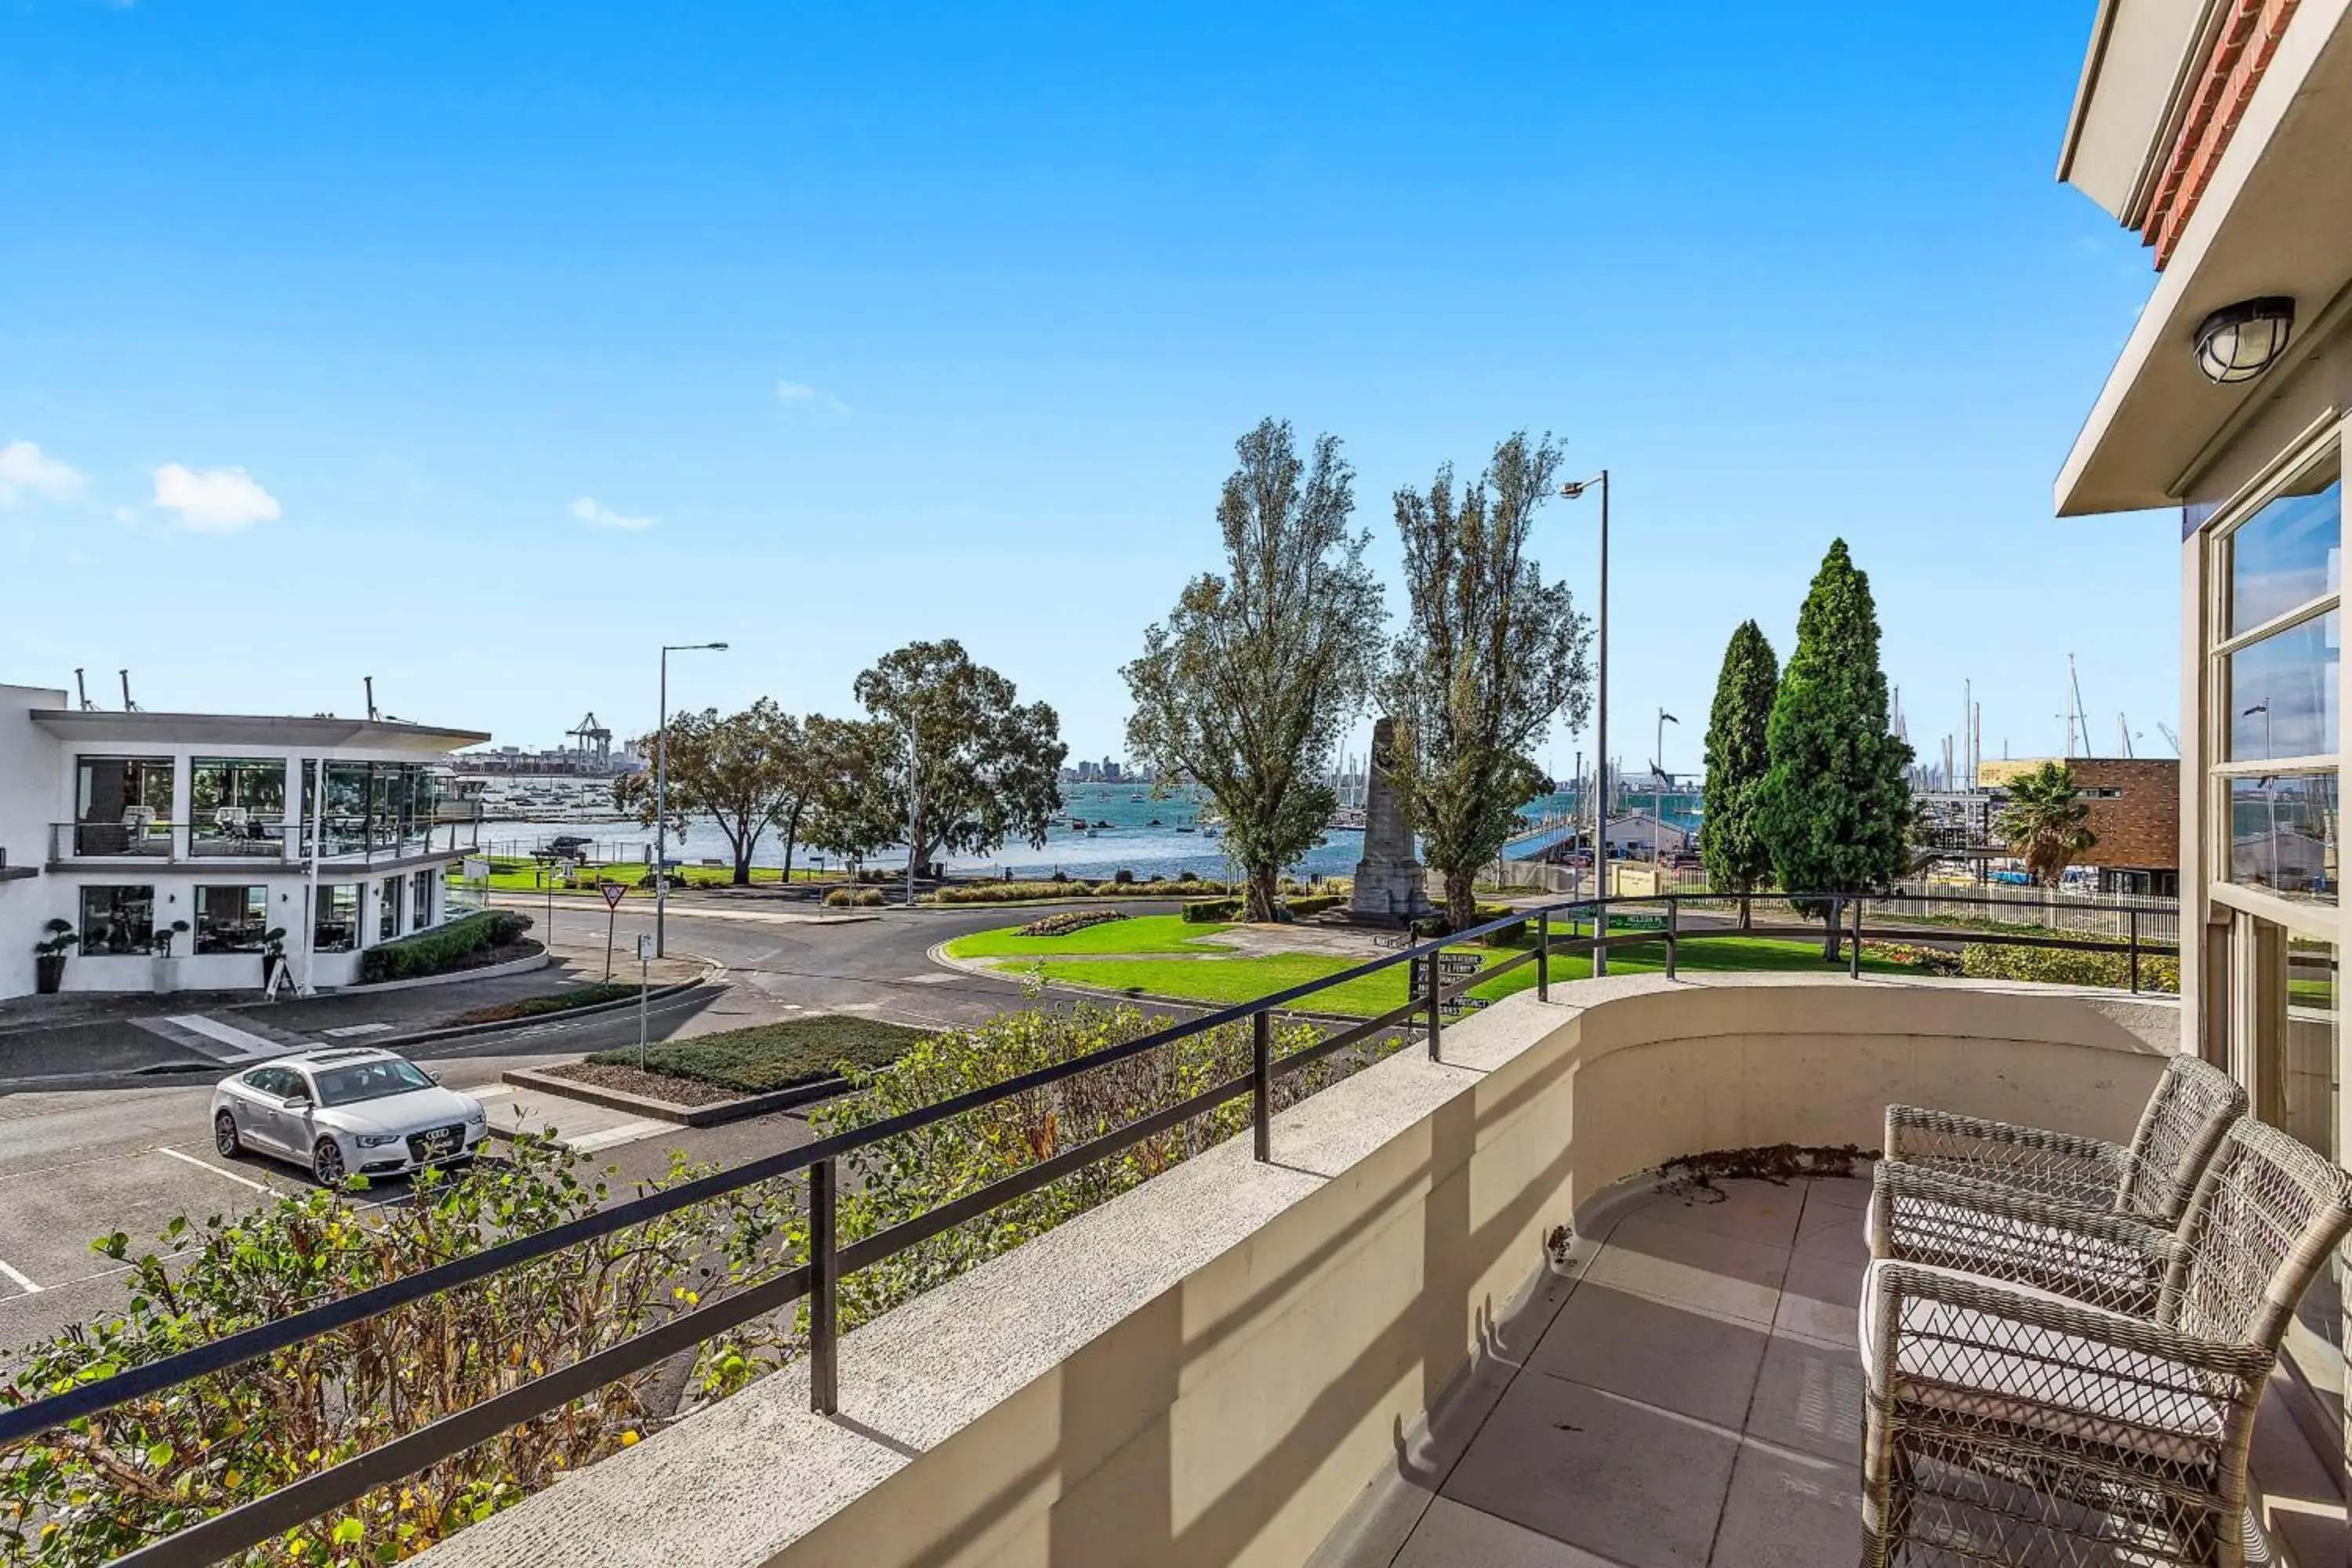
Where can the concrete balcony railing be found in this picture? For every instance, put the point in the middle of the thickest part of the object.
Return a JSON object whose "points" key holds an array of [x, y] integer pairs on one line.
{"points": [[1237, 1362]]}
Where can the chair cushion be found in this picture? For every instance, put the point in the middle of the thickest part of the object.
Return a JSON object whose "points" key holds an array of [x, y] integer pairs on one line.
{"points": [[1976, 1365]]}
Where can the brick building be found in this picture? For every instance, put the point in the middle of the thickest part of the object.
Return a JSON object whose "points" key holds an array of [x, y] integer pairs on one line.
{"points": [[2134, 811]]}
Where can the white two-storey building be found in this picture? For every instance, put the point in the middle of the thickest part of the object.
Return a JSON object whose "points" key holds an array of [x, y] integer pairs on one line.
{"points": [[125, 826]]}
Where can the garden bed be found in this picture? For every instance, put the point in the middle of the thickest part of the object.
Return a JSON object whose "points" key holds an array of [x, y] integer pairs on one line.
{"points": [[765, 1057]]}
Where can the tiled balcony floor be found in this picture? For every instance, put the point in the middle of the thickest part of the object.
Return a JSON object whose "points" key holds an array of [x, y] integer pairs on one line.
{"points": [[1690, 1394]]}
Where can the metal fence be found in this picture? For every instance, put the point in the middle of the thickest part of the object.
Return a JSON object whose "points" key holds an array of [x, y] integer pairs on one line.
{"points": [[1558, 930]]}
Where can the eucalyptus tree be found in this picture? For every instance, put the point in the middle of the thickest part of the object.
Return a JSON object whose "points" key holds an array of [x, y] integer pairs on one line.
{"points": [[1248, 686], [974, 767], [745, 771], [1491, 655]]}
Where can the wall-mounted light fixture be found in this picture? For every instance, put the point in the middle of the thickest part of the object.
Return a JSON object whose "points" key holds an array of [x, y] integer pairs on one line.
{"points": [[2238, 343]]}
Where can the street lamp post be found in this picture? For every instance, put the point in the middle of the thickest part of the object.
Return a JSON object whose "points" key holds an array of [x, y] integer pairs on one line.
{"points": [[661, 796], [1570, 490], [1658, 795]]}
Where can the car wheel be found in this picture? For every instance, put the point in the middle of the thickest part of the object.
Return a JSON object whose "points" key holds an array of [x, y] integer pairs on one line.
{"points": [[225, 1138], [327, 1164]]}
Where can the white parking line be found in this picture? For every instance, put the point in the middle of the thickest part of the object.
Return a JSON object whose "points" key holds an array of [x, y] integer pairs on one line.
{"points": [[22, 1282], [215, 1169], [348, 1030]]}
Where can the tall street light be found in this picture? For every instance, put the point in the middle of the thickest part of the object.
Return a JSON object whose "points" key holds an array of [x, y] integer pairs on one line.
{"points": [[661, 795], [1658, 799], [1569, 492]]}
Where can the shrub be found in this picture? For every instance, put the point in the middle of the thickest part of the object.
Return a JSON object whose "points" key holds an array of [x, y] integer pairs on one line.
{"points": [[2068, 967], [860, 897], [1069, 921], [1212, 911], [1123, 877], [149, 1467], [914, 1174], [1927, 960], [1067, 887], [1312, 903], [443, 948], [767, 1057]]}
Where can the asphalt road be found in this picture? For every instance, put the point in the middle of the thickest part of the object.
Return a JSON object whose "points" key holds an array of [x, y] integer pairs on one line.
{"points": [[76, 1163]]}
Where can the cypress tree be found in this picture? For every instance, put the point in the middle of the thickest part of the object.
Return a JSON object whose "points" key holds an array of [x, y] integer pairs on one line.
{"points": [[1730, 841], [1834, 808]]}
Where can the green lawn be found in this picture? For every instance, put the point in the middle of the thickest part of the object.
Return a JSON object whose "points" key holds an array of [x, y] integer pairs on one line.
{"points": [[774, 1056], [1226, 979], [1143, 933]]}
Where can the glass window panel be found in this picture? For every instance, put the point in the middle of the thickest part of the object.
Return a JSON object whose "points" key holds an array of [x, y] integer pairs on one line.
{"points": [[2289, 552], [231, 920], [420, 899], [117, 920], [2282, 691], [2283, 835], [387, 908], [337, 928]]}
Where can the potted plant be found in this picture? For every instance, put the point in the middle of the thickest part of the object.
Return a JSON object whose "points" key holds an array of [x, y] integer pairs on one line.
{"points": [[166, 967], [273, 954], [49, 957]]}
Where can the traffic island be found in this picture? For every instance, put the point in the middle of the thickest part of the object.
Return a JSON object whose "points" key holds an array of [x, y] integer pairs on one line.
{"points": [[731, 1074]]}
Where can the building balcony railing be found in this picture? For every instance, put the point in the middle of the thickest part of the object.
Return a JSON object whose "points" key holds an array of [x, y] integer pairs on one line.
{"points": [[1267, 1315], [344, 840]]}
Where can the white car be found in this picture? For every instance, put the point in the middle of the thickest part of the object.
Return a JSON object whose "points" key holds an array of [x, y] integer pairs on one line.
{"points": [[346, 1111]]}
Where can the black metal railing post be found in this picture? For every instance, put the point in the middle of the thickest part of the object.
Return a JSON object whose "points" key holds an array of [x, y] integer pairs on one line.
{"points": [[1262, 1083], [825, 1281], [2135, 952], [1436, 995], [1853, 957], [1673, 933], [1543, 955]]}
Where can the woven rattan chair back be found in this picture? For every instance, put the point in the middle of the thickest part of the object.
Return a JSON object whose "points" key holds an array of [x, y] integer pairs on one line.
{"points": [[2262, 1224], [2183, 1123]]}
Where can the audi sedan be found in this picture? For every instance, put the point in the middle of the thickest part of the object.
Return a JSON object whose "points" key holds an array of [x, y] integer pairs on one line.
{"points": [[346, 1111]]}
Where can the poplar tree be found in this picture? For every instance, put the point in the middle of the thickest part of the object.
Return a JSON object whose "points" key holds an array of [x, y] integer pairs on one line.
{"points": [[1738, 755], [1834, 809], [1247, 687], [1492, 653]]}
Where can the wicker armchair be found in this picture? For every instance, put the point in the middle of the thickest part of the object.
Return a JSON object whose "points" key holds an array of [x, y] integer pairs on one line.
{"points": [[2008, 1423], [2152, 1176]]}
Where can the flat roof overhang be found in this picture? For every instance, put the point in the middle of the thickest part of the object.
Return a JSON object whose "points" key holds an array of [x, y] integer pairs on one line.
{"points": [[251, 730], [2276, 219]]}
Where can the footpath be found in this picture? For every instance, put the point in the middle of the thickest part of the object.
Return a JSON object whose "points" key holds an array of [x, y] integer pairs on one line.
{"points": [[83, 1041]]}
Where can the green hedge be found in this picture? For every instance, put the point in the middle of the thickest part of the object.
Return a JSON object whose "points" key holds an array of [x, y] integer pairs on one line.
{"points": [[1221, 912], [443, 948], [1073, 887], [2068, 967]]}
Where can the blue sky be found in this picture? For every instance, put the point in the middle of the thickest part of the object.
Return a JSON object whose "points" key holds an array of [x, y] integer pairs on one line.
{"points": [[483, 349]]}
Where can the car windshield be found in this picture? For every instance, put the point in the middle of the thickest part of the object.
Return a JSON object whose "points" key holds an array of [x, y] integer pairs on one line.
{"points": [[369, 1080]]}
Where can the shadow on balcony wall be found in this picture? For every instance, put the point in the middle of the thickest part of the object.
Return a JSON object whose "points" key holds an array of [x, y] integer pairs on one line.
{"points": [[1209, 1368]]}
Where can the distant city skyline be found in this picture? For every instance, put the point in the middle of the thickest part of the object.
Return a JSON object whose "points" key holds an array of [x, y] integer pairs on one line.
{"points": [[483, 354]]}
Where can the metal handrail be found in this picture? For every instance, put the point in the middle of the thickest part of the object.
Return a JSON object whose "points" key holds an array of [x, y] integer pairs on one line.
{"points": [[818, 1276]]}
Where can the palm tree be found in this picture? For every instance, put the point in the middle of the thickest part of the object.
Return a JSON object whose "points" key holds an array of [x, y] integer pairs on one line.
{"points": [[2044, 821]]}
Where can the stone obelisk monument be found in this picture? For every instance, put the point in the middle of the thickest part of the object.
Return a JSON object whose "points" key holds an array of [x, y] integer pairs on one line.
{"points": [[1392, 888]]}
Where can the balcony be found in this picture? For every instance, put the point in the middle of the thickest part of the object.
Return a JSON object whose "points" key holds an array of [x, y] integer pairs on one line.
{"points": [[1465, 1306], [1452, 1321], [346, 841]]}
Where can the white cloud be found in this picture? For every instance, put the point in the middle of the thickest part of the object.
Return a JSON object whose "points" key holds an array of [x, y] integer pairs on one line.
{"points": [[586, 510], [24, 471], [794, 393], [212, 500]]}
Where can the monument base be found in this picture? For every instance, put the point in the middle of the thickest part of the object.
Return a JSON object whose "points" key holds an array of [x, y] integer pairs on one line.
{"points": [[1393, 893]]}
